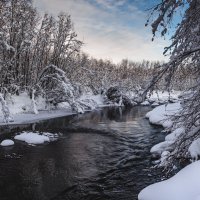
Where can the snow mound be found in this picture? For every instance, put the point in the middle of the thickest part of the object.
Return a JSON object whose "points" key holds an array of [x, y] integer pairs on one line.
{"points": [[161, 147], [164, 156], [145, 103], [183, 186], [194, 149], [5, 143], [163, 96], [35, 137], [174, 134], [23, 104], [155, 104], [98, 99], [161, 114]]}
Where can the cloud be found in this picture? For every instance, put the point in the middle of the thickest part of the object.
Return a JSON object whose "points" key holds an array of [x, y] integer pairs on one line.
{"points": [[110, 4], [110, 29]]}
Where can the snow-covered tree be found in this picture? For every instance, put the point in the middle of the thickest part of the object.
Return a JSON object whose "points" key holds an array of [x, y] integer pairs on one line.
{"points": [[28, 44], [184, 52], [19, 30], [65, 42], [5, 110]]}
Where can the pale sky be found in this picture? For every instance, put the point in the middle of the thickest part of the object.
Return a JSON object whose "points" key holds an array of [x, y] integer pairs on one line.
{"points": [[110, 29]]}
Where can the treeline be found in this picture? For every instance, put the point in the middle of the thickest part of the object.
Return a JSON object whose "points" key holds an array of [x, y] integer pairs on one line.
{"points": [[42, 55], [99, 75]]}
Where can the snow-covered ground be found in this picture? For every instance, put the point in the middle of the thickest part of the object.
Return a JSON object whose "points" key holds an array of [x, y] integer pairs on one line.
{"points": [[183, 186], [145, 103], [26, 118], [194, 149], [162, 115], [21, 107], [160, 97], [22, 111]]}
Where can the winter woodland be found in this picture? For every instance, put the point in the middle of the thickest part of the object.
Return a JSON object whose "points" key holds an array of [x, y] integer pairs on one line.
{"points": [[42, 62], [41, 56]]}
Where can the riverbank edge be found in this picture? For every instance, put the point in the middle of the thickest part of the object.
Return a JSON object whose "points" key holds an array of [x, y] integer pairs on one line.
{"points": [[174, 188], [29, 118]]}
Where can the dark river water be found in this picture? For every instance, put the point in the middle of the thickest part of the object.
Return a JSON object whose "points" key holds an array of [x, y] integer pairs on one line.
{"points": [[101, 155]]}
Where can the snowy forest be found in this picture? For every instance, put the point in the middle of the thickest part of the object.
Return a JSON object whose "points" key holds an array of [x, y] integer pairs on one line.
{"points": [[41, 55], [44, 70]]}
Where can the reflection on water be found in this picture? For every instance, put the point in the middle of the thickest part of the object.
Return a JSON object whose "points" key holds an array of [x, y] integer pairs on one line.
{"points": [[102, 155]]}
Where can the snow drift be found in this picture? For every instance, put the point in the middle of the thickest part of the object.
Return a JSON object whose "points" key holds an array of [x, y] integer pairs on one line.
{"points": [[183, 186]]}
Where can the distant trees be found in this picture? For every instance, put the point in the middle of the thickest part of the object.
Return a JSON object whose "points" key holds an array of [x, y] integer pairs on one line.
{"points": [[100, 74]]}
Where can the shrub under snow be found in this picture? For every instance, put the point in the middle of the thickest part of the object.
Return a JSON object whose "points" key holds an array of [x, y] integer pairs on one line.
{"points": [[183, 186]]}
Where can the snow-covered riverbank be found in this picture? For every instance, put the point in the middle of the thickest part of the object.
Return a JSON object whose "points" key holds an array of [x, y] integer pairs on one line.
{"points": [[22, 113], [157, 98], [184, 185]]}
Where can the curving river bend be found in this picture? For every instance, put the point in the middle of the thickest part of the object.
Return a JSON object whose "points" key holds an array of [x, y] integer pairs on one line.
{"points": [[101, 155]]}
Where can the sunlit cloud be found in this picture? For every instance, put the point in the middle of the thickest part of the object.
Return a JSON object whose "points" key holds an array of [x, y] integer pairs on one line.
{"points": [[110, 29]]}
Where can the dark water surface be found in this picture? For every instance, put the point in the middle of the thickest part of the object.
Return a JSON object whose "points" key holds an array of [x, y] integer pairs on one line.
{"points": [[101, 155]]}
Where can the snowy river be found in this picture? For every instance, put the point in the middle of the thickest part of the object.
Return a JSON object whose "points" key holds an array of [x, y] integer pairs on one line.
{"points": [[101, 155]]}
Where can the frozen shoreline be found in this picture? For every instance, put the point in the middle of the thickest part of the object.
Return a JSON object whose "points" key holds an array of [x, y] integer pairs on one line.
{"points": [[22, 113], [20, 107], [185, 184], [28, 118]]}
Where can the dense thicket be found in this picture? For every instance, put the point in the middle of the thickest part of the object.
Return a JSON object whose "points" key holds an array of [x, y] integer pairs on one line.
{"points": [[30, 43]]}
